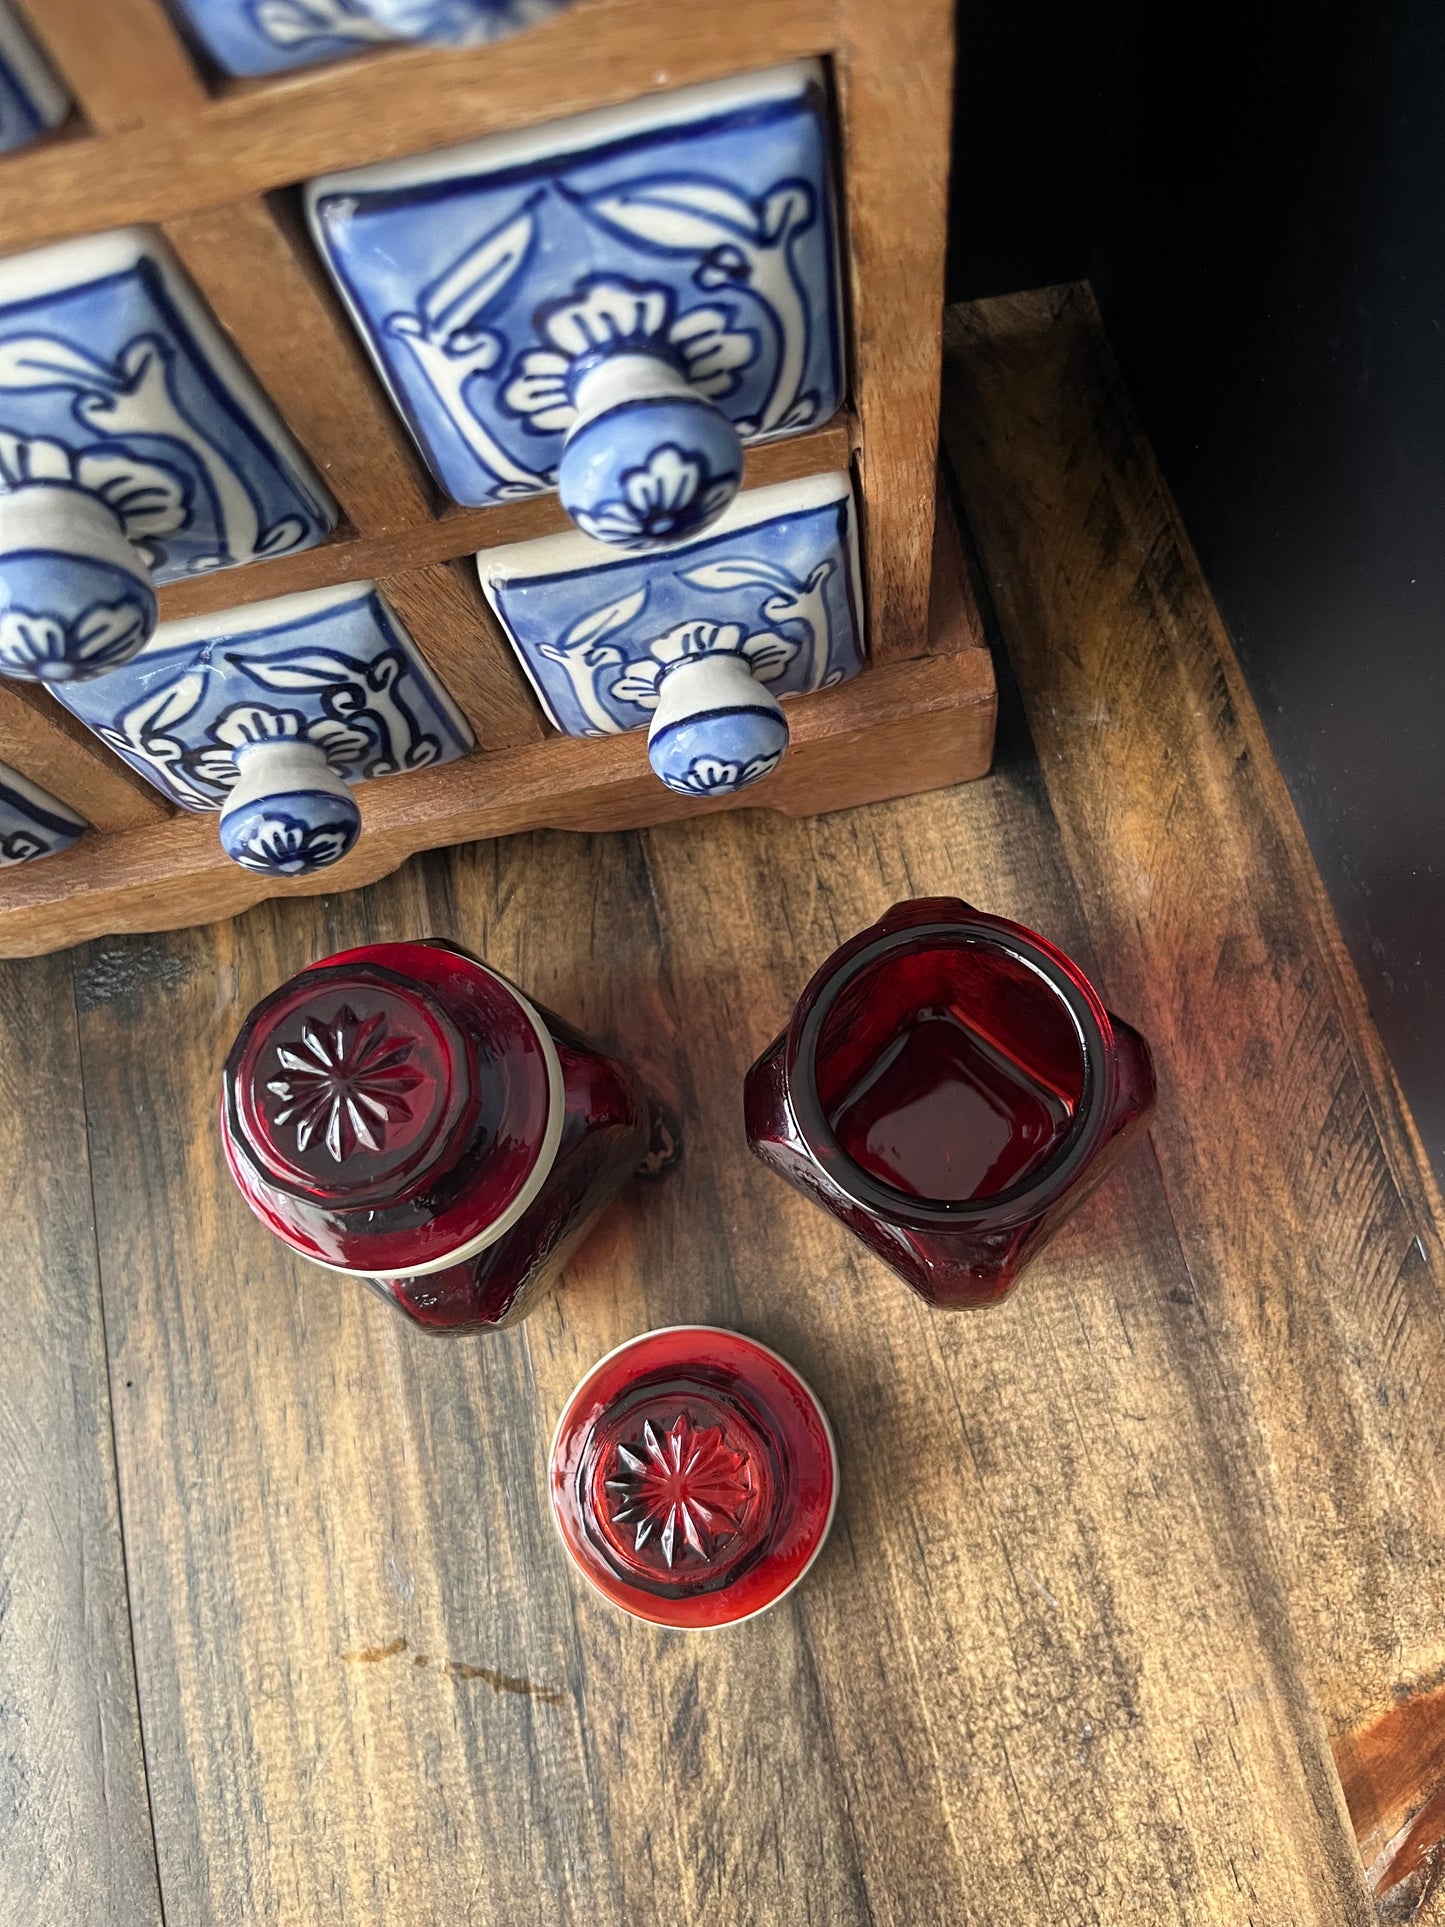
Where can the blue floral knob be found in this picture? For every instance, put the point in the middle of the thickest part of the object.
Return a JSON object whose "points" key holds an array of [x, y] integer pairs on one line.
{"points": [[649, 457], [75, 589], [290, 813], [716, 729]]}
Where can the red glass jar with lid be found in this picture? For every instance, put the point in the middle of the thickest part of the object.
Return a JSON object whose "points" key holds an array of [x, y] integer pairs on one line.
{"points": [[403, 1114], [951, 1087]]}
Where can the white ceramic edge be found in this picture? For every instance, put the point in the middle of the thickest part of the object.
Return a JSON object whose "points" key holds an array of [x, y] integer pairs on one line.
{"points": [[42, 799], [573, 553], [516, 146], [728, 1331], [69, 264], [47, 95], [536, 1177], [576, 553], [34, 515], [276, 612]]}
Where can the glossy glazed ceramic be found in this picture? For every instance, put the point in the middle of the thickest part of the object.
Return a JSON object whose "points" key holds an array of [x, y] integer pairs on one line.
{"points": [[268, 712], [246, 37], [610, 303], [404, 1115], [32, 822], [693, 1477], [32, 100], [698, 644], [134, 448], [951, 1087]]}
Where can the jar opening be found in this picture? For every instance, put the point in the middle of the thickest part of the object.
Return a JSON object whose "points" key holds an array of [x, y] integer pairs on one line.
{"points": [[950, 1069]]}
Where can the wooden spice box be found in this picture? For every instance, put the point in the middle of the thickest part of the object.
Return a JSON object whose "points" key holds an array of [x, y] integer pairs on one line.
{"points": [[216, 167]]}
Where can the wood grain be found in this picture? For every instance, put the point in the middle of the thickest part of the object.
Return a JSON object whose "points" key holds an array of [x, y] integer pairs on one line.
{"points": [[1303, 1211], [75, 1840], [262, 282], [257, 138], [47, 744], [894, 67], [889, 732], [457, 532], [123, 61], [464, 646]]}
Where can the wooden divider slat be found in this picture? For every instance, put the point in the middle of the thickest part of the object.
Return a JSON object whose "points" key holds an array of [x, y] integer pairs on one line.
{"points": [[123, 60], [891, 732], [285, 130], [895, 70], [266, 288], [461, 532], [46, 743], [444, 610]]}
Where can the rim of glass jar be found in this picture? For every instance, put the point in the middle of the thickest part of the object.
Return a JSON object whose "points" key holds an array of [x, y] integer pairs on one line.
{"points": [[1063, 978]]}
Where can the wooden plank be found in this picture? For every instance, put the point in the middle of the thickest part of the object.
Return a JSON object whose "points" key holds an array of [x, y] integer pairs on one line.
{"points": [[458, 532], [889, 732], [894, 68], [1303, 1209], [262, 281], [445, 612], [75, 1840], [324, 1505], [259, 138], [123, 61], [1058, 1681], [46, 743]]}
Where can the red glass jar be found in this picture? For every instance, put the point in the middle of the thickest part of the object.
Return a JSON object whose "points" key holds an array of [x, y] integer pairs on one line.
{"points": [[402, 1114], [693, 1477], [951, 1087]]}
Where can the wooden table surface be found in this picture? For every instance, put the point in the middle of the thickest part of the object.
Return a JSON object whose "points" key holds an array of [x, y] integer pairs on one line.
{"points": [[1133, 1606]]}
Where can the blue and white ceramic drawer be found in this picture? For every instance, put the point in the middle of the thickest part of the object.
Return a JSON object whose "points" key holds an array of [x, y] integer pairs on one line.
{"points": [[268, 714], [610, 305], [33, 823], [695, 644], [32, 100], [269, 36], [135, 449]]}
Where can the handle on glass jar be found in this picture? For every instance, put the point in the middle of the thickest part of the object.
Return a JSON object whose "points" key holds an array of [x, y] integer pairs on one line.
{"points": [[648, 456], [76, 598]]}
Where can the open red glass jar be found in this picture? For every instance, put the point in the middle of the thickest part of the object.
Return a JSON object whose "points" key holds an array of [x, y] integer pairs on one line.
{"points": [[403, 1114], [951, 1087]]}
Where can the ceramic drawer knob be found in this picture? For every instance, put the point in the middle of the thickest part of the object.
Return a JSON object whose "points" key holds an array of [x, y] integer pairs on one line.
{"points": [[404, 1115], [135, 449], [696, 644], [247, 37], [693, 1477], [951, 1088], [290, 813], [269, 713], [32, 101], [33, 823], [610, 305]]}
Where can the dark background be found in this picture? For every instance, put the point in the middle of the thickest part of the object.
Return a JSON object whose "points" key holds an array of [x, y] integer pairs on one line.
{"points": [[1258, 195]]}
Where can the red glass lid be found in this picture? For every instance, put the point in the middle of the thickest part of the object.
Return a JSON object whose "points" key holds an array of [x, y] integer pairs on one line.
{"points": [[388, 1107], [693, 1477]]}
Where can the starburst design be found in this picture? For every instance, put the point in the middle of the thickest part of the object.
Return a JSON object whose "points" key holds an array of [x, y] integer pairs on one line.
{"points": [[346, 1082], [684, 1485]]}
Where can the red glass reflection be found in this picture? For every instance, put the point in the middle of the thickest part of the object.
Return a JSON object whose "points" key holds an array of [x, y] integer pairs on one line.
{"points": [[693, 1477], [951, 1087]]}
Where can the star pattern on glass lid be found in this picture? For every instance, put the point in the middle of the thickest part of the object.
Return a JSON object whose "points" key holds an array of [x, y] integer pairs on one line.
{"points": [[686, 1486], [346, 1082]]}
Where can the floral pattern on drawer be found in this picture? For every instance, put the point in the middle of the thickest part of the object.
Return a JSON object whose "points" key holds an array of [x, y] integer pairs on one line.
{"points": [[694, 229], [32, 822], [269, 36], [766, 604], [114, 378], [267, 713]]}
